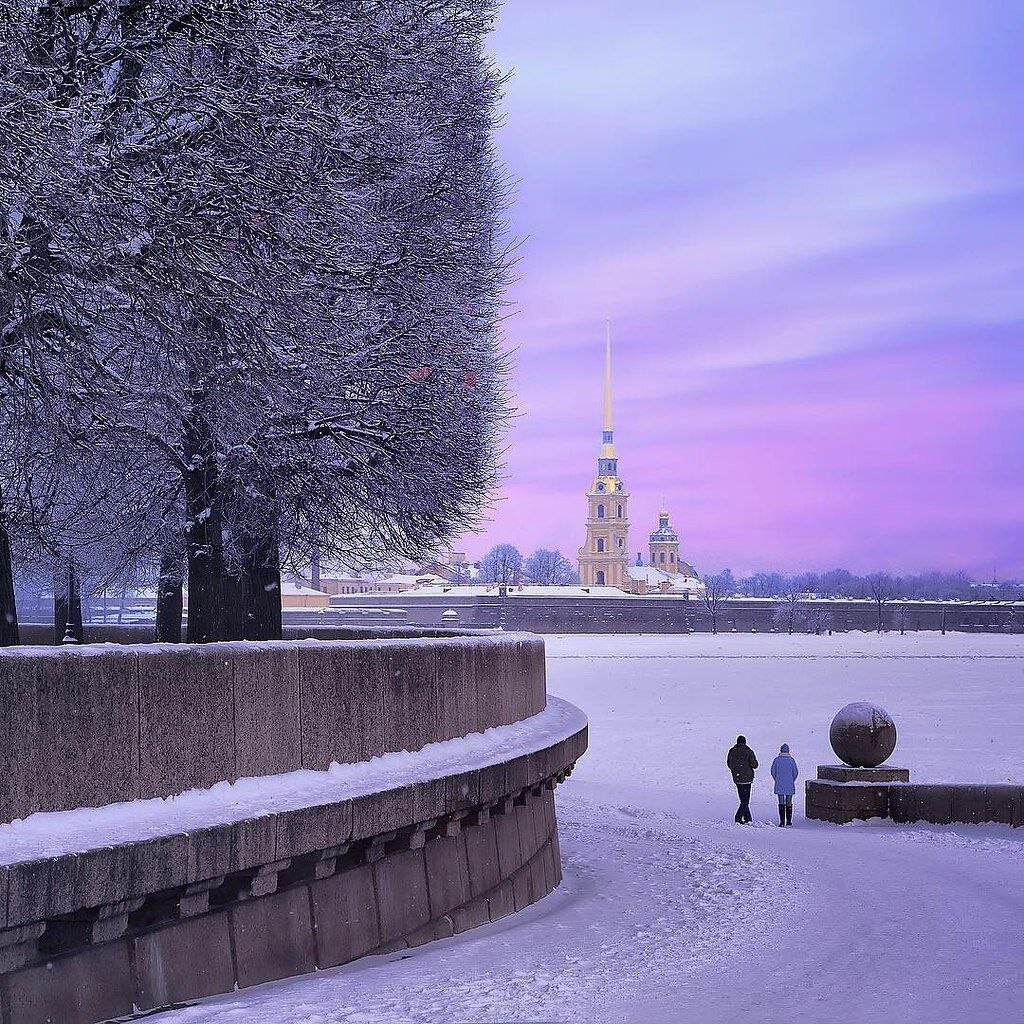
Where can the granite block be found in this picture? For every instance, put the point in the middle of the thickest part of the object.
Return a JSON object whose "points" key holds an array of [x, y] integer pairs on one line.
{"points": [[94, 985], [487, 667], [530, 838], [462, 791], [916, 802], [187, 711], [308, 829], [376, 813], [273, 937], [501, 901], [1002, 804], [456, 689], [402, 897], [844, 773], [345, 916], [470, 915], [412, 714], [447, 874], [188, 960], [341, 692], [80, 698], [266, 689], [19, 737], [482, 857], [506, 831]]}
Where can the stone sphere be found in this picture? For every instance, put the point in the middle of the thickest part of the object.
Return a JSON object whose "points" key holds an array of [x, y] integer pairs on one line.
{"points": [[863, 735]]}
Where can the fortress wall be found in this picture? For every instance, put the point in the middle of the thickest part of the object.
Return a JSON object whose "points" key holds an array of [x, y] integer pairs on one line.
{"points": [[655, 614], [88, 726], [650, 614], [674, 615]]}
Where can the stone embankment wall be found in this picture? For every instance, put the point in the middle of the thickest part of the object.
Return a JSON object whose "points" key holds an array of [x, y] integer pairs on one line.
{"points": [[116, 926], [938, 804], [36, 634], [650, 614], [655, 614], [91, 726]]}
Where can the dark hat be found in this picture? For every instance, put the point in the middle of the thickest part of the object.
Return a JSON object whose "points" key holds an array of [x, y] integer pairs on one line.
{"points": [[741, 739]]}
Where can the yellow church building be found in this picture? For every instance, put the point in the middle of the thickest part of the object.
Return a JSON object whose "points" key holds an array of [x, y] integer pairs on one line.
{"points": [[604, 559]]}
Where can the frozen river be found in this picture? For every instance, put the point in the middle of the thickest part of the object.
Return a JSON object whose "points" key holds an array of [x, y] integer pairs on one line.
{"points": [[669, 911]]}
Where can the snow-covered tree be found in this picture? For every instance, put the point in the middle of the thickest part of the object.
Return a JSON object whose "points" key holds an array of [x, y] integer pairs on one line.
{"points": [[270, 278], [503, 565], [715, 589], [882, 588], [787, 614], [550, 568]]}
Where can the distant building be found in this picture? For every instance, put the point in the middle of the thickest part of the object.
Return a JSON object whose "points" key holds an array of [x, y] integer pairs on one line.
{"points": [[666, 572], [298, 596], [604, 557], [395, 583], [452, 566]]}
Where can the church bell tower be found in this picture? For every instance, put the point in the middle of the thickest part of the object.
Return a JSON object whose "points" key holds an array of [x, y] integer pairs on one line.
{"points": [[604, 559], [665, 544]]}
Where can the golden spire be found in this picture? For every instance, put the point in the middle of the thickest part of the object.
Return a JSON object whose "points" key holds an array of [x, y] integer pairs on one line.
{"points": [[608, 374]]}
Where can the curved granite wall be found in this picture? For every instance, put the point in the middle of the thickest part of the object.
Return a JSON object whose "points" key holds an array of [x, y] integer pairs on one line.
{"points": [[88, 726], [120, 923]]}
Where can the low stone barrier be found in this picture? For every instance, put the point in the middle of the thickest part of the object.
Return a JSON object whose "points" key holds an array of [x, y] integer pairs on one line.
{"points": [[938, 804], [88, 726]]}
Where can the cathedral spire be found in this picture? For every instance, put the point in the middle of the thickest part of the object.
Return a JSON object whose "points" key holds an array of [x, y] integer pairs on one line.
{"points": [[608, 375], [606, 464]]}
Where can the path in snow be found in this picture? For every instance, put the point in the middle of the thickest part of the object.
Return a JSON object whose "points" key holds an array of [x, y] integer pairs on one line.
{"points": [[669, 911]]}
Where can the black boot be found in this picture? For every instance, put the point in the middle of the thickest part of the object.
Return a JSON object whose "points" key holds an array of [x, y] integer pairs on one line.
{"points": [[782, 815], [789, 814]]}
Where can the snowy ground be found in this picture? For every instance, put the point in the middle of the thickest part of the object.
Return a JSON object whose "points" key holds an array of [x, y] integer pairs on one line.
{"points": [[670, 912]]}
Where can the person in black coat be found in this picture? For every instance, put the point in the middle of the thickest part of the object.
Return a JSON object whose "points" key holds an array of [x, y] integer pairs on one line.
{"points": [[742, 763]]}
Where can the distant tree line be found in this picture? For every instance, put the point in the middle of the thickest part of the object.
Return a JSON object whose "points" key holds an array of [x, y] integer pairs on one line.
{"points": [[505, 564], [796, 593], [841, 583]]}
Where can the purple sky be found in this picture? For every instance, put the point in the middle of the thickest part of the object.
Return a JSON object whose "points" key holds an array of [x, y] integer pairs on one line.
{"points": [[806, 221]]}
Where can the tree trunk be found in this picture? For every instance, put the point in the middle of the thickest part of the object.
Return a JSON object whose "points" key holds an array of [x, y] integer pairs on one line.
{"points": [[232, 626], [713, 615], [169, 599], [8, 608], [314, 570], [261, 590], [67, 606], [60, 605], [75, 632], [204, 541]]}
